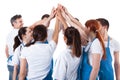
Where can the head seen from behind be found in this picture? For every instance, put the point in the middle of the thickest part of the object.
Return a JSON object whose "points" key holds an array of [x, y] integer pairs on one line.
{"points": [[40, 33], [16, 21], [73, 39], [94, 29]]}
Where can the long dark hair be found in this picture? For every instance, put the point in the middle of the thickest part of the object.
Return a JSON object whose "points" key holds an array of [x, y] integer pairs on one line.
{"points": [[18, 39], [74, 40], [94, 26]]}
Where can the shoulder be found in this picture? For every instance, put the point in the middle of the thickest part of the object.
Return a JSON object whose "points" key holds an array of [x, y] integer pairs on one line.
{"points": [[96, 47], [12, 33], [25, 49], [52, 43], [96, 42], [115, 42], [65, 53], [17, 49]]}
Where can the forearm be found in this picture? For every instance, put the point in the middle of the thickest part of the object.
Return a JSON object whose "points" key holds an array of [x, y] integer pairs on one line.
{"points": [[56, 31], [82, 32], [23, 69], [39, 22], [117, 71], [64, 23], [15, 73], [22, 75], [93, 74], [117, 64], [7, 55], [95, 65], [47, 21], [76, 21], [6, 51]]}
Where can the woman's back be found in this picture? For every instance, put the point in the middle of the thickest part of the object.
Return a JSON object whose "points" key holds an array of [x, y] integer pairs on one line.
{"points": [[38, 56]]}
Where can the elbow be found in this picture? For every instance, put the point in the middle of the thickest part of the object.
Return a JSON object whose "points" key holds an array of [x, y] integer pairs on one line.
{"points": [[117, 63], [96, 68], [21, 75]]}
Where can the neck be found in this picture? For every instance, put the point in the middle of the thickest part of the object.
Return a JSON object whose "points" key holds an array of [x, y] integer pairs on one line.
{"points": [[106, 37], [92, 37]]}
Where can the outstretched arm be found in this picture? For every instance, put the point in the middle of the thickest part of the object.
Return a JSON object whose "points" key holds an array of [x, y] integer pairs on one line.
{"points": [[56, 31], [73, 19], [61, 18], [52, 15], [45, 22], [73, 22]]}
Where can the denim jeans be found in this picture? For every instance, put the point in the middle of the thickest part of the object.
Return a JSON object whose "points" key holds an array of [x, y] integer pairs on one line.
{"points": [[10, 69]]}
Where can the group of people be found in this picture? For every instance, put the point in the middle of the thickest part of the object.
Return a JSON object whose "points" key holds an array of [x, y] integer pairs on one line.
{"points": [[90, 53]]}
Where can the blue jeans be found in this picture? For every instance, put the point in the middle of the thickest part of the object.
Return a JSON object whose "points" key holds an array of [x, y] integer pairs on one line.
{"points": [[10, 69]]}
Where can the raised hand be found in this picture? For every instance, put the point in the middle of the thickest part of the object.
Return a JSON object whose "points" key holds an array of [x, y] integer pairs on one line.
{"points": [[53, 12]]}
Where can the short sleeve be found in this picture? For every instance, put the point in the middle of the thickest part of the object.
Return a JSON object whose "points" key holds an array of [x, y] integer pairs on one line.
{"points": [[24, 52], [52, 46], [16, 56], [96, 47], [116, 45], [50, 33]]}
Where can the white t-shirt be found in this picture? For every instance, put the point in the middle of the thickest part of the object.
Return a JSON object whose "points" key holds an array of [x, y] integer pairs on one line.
{"points": [[66, 66], [10, 42], [94, 48], [50, 34], [17, 53], [38, 56]]}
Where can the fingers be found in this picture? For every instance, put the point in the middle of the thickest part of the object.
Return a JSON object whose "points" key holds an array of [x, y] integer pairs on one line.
{"points": [[58, 12]]}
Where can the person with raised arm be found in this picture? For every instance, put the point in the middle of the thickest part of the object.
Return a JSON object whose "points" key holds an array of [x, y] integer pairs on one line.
{"points": [[40, 54]]}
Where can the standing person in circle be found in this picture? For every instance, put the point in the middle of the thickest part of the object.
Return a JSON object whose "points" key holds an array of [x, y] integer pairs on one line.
{"points": [[17, 23], [93, 53], [23, 38], [109, 67]]}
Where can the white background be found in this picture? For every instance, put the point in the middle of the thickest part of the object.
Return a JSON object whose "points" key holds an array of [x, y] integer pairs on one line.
{"points": [[32, 10]]}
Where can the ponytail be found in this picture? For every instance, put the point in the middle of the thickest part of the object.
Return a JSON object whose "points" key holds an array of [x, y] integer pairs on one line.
{"points": [[74, 40], [76, 44], [18, 38], [17, 42], [98, 35], [94, 26]]}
